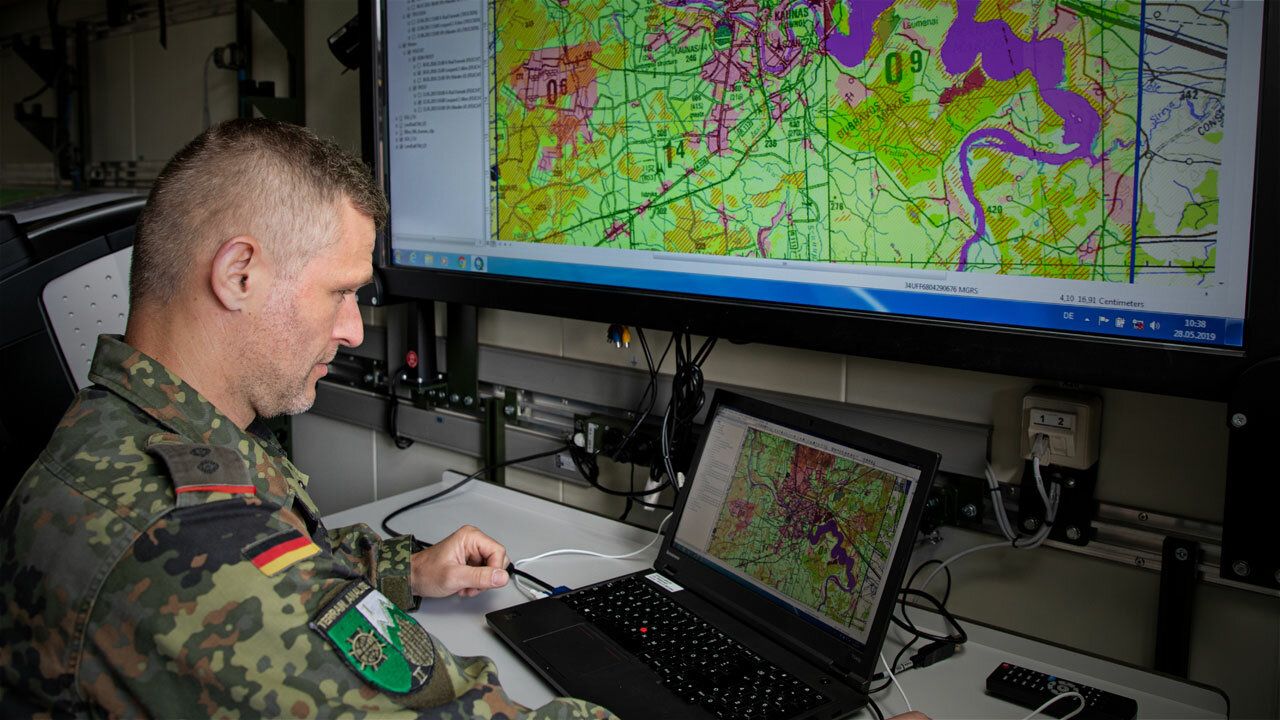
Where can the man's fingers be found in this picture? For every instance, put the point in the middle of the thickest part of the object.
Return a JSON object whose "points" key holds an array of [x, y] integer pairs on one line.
{"points": [[485, 549], [462, 577]]}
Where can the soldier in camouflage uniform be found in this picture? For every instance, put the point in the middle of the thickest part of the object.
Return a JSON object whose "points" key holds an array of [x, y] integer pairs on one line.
{"points": [[162, 556]]}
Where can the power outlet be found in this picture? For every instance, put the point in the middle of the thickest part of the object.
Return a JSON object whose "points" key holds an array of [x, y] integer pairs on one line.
{"points": [[1072, 422]]}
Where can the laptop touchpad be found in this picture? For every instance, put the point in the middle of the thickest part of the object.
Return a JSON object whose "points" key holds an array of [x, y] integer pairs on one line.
{"points": [[577, 650]]}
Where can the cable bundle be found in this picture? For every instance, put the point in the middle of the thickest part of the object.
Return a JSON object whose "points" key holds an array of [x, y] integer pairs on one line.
{"points": [[687, 398], [587, 463]]}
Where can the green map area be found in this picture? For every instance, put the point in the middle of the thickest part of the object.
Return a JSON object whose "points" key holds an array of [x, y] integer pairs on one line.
{"points": [[1003, 137], [816, 527]]}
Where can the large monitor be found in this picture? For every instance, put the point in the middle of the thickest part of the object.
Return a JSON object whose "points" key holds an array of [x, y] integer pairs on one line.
{"points": [[1059, 189]]}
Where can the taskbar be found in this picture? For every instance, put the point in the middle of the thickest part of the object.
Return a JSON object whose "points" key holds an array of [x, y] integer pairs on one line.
{"points": [[1118, 322]]}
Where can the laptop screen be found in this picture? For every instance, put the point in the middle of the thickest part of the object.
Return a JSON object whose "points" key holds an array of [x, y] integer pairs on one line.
{"points": [[810, 524]]}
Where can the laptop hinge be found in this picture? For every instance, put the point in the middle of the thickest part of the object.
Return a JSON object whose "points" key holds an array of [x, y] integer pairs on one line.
{"points": [[841, 668]]}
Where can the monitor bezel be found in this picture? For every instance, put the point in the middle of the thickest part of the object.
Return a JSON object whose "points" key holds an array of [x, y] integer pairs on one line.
{"points": [[1095, 360]]}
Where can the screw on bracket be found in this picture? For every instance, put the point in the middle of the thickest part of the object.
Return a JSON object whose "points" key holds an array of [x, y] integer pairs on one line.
{"points": [[1181, 553], [1239, 420], [969, 510], [1073, 533], [1031, 523], [1241, 568]]}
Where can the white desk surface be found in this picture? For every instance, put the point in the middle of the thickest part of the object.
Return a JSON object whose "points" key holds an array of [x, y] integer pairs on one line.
{"points": [[528, 525]]}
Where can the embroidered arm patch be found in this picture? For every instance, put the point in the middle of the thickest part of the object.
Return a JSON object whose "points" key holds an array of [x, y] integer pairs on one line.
{"points": [[382, 643]]}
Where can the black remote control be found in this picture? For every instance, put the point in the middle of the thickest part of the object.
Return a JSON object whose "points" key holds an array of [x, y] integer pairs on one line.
{"points": [[1031, 689]]}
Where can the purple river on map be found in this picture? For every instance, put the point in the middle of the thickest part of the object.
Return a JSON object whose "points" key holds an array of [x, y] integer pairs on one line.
{"points": [[966, 40], [838, 554]]}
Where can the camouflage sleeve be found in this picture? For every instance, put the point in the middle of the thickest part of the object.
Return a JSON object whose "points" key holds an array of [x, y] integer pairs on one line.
{"points": [[224, 609], [386, 563]]}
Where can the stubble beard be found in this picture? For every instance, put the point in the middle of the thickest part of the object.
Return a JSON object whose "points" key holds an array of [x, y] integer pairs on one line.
{"points": [[278, 389]]}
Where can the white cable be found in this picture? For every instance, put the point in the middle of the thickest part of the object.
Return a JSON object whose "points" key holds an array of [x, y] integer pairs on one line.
{"points": [[528, 592], [1035, 469], [997, 504], [593, 553], [1035, 541], [977, 548], [533, 594], [1055, 699], [888, 670]]}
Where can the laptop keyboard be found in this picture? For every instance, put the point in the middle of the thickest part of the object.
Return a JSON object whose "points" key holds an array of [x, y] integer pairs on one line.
{"points": [[700, 664]]}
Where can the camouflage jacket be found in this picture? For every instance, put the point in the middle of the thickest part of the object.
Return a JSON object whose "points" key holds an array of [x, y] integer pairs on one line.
{"points": [[157, 560]]}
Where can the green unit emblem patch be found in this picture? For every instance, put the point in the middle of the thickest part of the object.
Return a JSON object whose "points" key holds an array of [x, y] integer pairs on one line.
{"points": [[381, 642]]}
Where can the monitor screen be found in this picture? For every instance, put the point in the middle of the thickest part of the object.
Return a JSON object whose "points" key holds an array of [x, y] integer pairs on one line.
{"points": [[1073, 167], [810, 524]]}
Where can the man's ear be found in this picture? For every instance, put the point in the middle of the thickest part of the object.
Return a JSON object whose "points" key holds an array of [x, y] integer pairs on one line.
{"points": [[240, 272]]}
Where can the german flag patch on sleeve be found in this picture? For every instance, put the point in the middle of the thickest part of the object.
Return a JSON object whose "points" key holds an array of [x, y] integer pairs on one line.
{"points": [[280, 551]]}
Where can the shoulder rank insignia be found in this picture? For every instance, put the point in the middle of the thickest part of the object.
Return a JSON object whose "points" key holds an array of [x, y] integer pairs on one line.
{"points": [[201, 473], [382, 643], [280, 551]]}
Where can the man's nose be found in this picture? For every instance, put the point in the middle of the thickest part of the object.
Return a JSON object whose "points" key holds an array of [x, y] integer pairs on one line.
{"points": [[348, 330]]}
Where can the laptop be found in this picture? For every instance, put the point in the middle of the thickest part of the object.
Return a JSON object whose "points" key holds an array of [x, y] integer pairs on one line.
{"points": [[771, 593]]}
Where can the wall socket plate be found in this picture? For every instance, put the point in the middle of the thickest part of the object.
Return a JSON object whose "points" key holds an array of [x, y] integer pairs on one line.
{"points": [[1072, 421]]}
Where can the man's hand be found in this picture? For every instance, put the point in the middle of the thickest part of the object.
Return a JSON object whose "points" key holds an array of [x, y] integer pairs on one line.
{"points": [[468, 562], [913, 715]]}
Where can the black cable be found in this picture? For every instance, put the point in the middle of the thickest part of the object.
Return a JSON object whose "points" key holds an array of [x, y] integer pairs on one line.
{"points": [[896, 659], [960, 638], [875, 709], [586, 462], [393, 410], [590, 471], [386, 522], [631, 485], [946, 594], [917, 634], [34, 95], [511, 568], [650, 389], [687, 398]]}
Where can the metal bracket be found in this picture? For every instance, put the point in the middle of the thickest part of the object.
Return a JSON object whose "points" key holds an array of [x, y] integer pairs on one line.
{"points": [[42, 62], [1250, 552], [493, 448], [420, 348], [285, 21], [69, 84], [1178, 577], [954, 500], [462, 353], [1076, 508]]}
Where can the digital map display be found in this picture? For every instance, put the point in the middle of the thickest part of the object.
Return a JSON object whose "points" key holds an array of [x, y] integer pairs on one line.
{"points": [[817, 527], [1076, 139]]}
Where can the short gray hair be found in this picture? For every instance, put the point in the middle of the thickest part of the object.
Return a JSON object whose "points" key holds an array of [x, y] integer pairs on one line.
{"points": [[275, 181]]}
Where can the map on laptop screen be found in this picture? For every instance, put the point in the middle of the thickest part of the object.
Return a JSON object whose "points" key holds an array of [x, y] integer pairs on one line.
{"points": [[798, 517]]}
